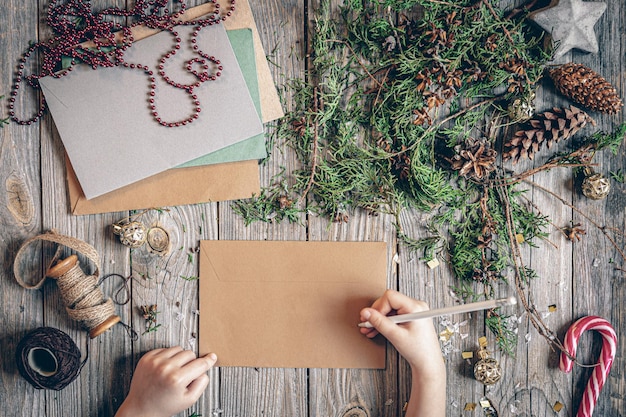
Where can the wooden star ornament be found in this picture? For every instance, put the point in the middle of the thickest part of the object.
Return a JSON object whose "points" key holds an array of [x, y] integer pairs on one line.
{"points": [[570, 22]]}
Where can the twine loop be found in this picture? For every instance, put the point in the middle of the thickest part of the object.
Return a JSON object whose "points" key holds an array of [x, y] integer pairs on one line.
{"points": [[81, 293], [77, 245]]}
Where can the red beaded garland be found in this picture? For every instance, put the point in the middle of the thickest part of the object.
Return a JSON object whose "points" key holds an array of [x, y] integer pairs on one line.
{"points": [[108, 52]]}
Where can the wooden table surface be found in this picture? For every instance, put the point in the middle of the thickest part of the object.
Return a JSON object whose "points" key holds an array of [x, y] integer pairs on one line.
{"points": [[579, 278]]}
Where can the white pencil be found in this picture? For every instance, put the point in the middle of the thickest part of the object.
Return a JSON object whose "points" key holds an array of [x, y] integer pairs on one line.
{"points": [[463, 308]]}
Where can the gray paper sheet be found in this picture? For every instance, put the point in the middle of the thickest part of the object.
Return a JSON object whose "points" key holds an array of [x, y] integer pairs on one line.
{"points": [[106, 125]]}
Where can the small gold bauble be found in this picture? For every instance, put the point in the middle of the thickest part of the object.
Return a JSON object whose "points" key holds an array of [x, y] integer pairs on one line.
{"points": [[158, 240], [487, 371], [596, 186], [522, 109], [132, 234]]}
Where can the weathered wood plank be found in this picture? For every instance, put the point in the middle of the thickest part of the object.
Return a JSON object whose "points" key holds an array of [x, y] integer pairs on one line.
{"points": [[357, 392], [269, 392], [100, 387], [170, 281], [579, 278], [354, 392], [433, 286], [596, 281], [20, 213]]}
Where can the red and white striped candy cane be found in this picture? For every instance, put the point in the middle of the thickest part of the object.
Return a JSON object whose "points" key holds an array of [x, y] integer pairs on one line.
{"points": [[601, 371]]}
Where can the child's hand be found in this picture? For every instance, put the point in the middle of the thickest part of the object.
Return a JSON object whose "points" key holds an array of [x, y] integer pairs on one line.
{"points": [[416, 341], [166, 382]]}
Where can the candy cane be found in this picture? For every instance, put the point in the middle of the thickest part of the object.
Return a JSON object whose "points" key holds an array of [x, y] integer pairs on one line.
{"points": [[601, 371]]}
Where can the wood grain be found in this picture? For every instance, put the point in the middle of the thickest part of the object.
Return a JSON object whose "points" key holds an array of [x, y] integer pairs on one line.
{"points": [[579, 278]]}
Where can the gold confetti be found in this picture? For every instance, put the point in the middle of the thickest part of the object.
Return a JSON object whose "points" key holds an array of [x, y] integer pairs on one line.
{"points": [[520, 238], [552, 308], [482, 342], [433, 263], [469, 407], [446, 334], [557, 406], [484, 403], [467, 355]]}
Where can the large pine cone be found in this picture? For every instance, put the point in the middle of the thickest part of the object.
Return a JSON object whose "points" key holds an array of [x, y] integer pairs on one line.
{"points": [[586, 87], [547, 127]]}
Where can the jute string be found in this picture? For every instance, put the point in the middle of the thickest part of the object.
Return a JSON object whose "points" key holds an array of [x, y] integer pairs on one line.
{"points": [[77, 245], [83, 298], [81, 294]]}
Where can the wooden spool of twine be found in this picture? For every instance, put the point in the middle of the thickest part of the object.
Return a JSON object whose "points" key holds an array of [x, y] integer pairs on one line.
{"points": [[81, 293]]}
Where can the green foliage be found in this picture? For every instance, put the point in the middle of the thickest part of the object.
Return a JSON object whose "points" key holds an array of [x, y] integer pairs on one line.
{"points": [[393, 87], [612, 141], [618, 176], [504, 328]]}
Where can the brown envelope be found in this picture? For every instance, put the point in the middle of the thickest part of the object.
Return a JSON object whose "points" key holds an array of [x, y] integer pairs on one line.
{"points": [[203, 183], [173, 187], [286, 304]]}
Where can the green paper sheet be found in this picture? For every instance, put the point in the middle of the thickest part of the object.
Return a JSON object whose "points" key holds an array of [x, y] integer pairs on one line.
{"points": [[254, 147]]}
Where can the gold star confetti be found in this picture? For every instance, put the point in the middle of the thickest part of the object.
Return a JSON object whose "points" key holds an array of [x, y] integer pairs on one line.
{"points": [[482, 342], [446, 334], [469, 407], [433, 263]]}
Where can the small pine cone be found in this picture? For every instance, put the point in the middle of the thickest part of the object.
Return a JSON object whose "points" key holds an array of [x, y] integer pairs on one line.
{"points": [[547, 127], [586, 87], [474, 159]]}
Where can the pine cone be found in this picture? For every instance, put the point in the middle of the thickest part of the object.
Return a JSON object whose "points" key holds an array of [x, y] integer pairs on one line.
{"points": [[586, 87], [474, 159], [548, 127]]}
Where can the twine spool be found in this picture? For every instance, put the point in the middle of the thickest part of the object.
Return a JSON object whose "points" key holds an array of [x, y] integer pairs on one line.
{"points": [[81, 293], [48, 358]]}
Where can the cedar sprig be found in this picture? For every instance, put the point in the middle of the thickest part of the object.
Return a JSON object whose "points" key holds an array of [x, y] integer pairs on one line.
{"points": [[382, 95]]}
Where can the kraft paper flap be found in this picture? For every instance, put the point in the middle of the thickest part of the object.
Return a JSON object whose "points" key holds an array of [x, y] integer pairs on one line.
{"points": [[286, 304], [173, 187], [254, 147], [108, 131]]}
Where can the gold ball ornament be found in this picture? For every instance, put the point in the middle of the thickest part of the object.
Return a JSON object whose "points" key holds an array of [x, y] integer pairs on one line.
{"points": [[487, 370], [132, 234], [596, 186], [522, 109]]}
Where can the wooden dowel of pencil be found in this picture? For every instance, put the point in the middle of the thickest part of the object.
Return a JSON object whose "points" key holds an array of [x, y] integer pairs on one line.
{"points": [[462, 308]]}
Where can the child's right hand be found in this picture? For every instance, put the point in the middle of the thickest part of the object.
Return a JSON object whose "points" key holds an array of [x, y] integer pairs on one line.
{"points": [[416, 341]]}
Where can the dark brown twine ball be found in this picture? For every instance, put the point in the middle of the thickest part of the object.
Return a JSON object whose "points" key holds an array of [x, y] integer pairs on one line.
{"points": [[48, 358]]}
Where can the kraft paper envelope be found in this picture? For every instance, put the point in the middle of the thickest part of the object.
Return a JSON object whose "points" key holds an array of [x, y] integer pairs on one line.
{"points": [[108, 131], [174, 187], [288, 304]]}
